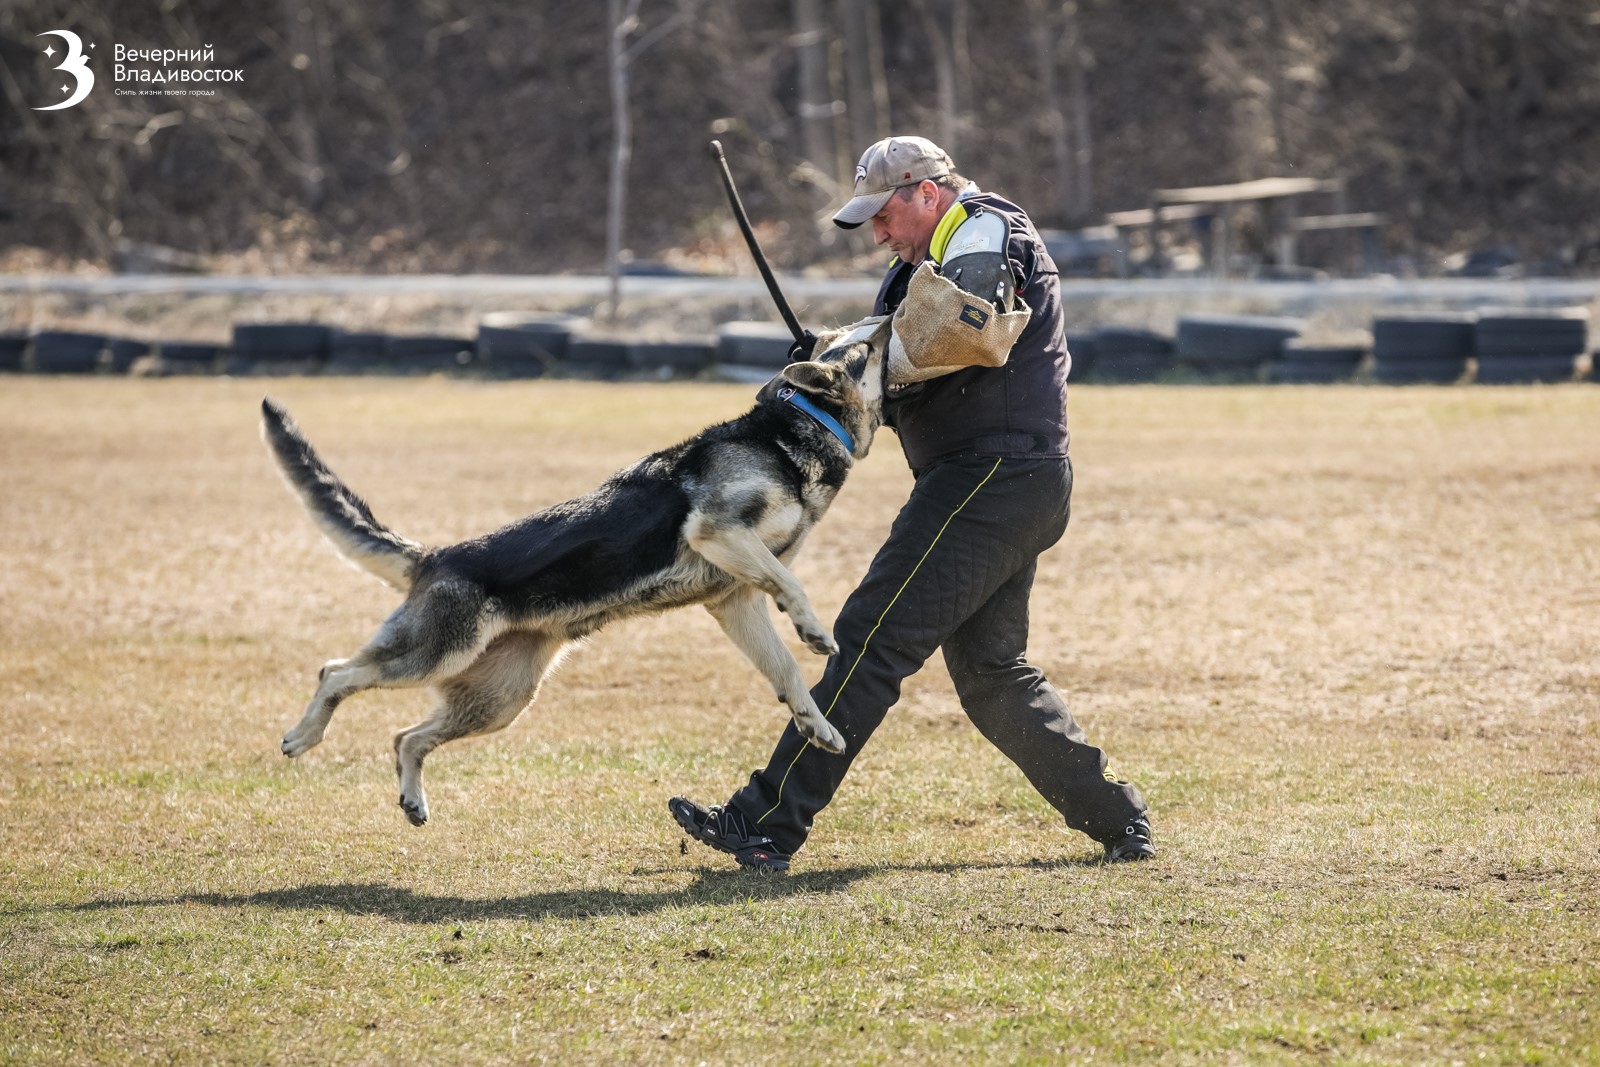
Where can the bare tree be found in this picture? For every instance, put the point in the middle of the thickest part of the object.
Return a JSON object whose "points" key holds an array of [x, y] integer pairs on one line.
{"points": [[305, 55], [944, 21], [866, 86], [623, 23], [816, 100], [1056, 36]]}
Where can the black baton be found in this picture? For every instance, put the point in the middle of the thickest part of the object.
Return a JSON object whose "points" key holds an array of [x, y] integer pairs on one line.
{"points": [[755, 249]]}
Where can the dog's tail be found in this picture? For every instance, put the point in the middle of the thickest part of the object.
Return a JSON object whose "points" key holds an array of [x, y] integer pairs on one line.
{"points": [[343, 517]]}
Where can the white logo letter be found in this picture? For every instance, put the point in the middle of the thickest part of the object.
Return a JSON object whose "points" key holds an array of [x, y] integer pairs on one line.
{"points": [[77, 65]]}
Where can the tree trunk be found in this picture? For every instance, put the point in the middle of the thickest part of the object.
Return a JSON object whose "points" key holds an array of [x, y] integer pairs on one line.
{"points": [[1277, 42], [621, 24], [1045, 42], [816, 102], [866, 88], [1078, 60], [939, 23], [301, 38]]}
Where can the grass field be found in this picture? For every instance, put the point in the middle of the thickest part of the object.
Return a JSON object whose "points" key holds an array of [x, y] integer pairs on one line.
{"points": [[1345, 639]]}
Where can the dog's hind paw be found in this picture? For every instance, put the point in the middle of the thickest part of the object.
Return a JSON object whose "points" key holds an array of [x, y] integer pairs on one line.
{"points": [[416, 810]]}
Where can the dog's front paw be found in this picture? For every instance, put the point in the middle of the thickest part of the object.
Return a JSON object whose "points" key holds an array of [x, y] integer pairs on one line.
{"points": [[825, 737], [300, 740], [818, 639]]}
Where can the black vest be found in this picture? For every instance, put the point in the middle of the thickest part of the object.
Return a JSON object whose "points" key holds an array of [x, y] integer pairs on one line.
{"points": [[1019, 409]]}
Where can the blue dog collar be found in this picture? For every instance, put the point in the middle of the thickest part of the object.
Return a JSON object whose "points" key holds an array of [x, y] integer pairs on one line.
{"points": [[829, 423]]}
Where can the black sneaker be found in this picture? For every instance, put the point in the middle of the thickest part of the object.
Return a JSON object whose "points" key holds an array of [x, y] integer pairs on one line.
{"points": [[727, 830], [1136, 842]]}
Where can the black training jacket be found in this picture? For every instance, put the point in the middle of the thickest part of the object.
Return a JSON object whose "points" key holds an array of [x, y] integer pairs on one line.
{"points": [[1019, 409]]}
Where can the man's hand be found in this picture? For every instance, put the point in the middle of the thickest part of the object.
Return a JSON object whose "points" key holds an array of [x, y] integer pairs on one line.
{"points": [[801, 350]]}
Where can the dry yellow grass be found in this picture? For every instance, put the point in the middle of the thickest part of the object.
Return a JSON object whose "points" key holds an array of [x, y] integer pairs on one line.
{"points": [[1344, 638]]}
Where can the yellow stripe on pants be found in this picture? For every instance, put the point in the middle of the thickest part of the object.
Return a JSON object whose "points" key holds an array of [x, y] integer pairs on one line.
{"points": [[887, 608]]}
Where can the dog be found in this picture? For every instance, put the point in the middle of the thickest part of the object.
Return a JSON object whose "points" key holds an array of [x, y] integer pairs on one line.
{"points": [[713, 520]]}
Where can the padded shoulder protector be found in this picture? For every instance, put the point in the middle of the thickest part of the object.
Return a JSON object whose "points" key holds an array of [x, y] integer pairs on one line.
{"points": [[975, 259]]}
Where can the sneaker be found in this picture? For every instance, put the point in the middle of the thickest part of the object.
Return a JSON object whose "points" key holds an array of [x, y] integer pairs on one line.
{"points": [[727, 830], [1136, 842]]}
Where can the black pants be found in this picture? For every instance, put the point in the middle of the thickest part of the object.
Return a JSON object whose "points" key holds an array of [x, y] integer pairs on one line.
{"points": [[955, 573]]}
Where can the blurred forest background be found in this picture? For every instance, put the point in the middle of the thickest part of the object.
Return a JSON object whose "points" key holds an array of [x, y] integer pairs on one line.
{"points": [[479, 135]]}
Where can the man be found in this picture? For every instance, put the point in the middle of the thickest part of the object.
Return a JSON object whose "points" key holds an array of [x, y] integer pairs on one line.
{"points": [[988, 448]]}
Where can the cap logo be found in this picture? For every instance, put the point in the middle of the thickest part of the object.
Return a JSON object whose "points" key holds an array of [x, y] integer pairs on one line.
{"points": [[861, 174], [907, 174]]}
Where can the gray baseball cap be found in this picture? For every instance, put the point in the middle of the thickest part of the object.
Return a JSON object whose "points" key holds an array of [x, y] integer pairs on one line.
{"points": [[885, 167]]}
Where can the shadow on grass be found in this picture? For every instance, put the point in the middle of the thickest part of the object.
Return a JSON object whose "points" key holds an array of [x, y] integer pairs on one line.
{"points": [[710, 887]]}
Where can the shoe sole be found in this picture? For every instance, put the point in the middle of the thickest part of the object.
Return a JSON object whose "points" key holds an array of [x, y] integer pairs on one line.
{"points": [[745, 857], [1131, 854]]}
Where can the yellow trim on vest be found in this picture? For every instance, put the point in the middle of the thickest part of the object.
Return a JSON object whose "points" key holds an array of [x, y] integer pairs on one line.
{"points": [[946, 229]]}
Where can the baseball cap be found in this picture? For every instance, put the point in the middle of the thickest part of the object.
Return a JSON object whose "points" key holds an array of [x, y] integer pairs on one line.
{"points": [[885, 167]]}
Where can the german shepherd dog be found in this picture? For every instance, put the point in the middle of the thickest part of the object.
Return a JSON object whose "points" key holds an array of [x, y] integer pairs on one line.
{"points": [[710, 521]]}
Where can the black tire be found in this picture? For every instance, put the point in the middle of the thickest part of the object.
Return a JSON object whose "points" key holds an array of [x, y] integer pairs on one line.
{"points": [[13, 347], [515, 344], [188, 358], [1312, 371], [1081, 349], [596, 357], [1418, 370], [1130, 354], [1205, 341], [63, 352], [427, 353], [1556, 332], [1516, 370], [124, 353], [754, 345], [357, 353], [684, 358], [1130, 367], [282, 342], [1131, 340], [1301, 352], [1433, 335]]}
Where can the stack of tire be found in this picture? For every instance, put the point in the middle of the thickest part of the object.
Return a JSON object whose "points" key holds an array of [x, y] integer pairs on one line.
{"points": [[427, 353], [683, 357], [520, 344], [1129, 354], [1425, 347], [277, 348], [1322, 363], [1233, 348], [125, 353], [752, 351], [356, 352], [13, 347], [1531, 345], [596, 358], [66, 352], [1082, 350], [187, 358]]}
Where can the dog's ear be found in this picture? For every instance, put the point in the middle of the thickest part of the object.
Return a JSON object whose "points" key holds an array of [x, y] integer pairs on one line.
{"points": [[811, 377], [882, 335]]}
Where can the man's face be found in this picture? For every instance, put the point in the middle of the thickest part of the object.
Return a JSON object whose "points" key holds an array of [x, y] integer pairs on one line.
{"points": [[906, 224]]}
